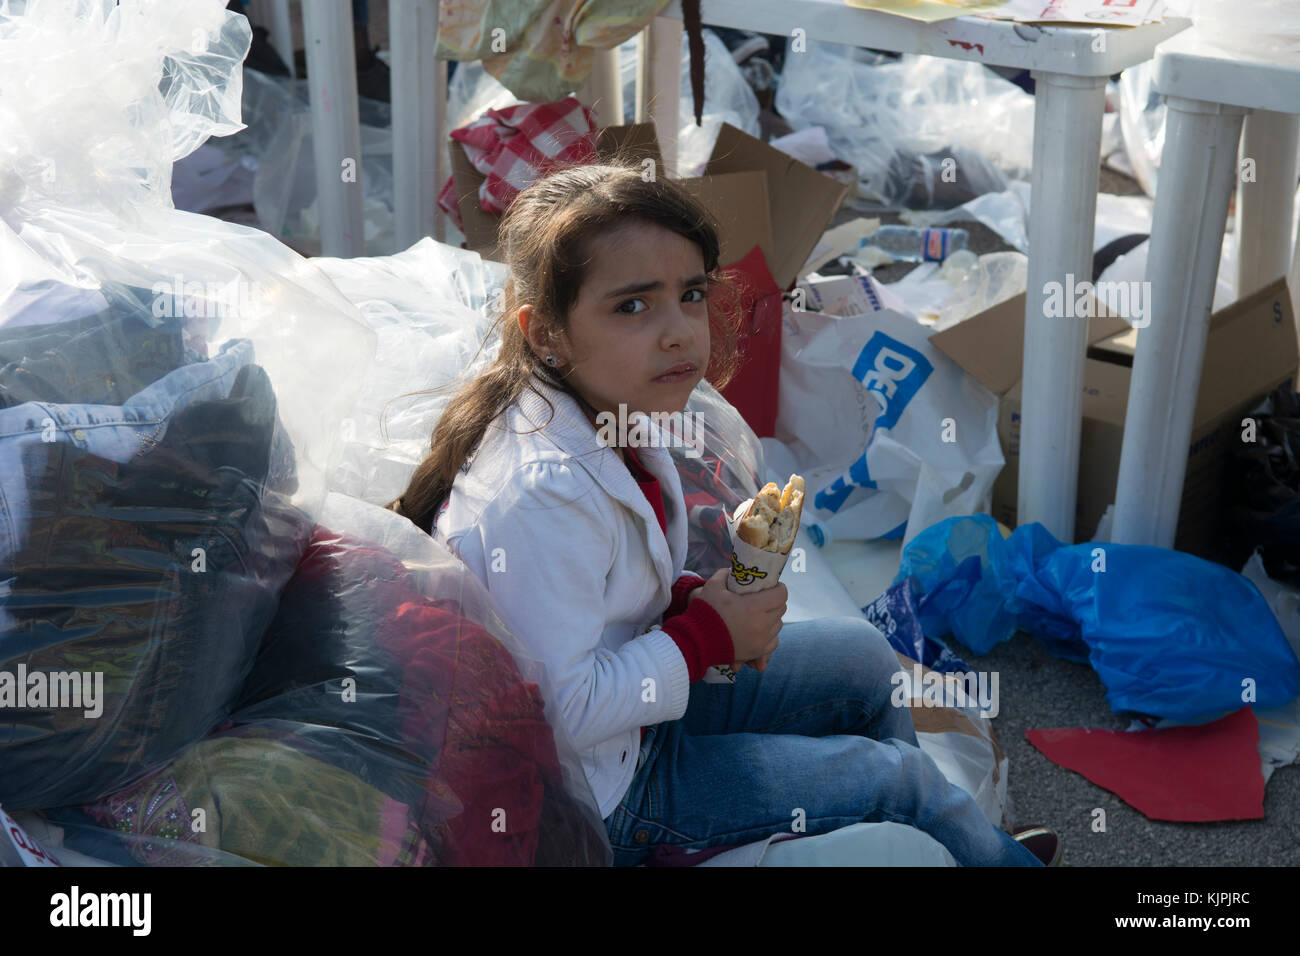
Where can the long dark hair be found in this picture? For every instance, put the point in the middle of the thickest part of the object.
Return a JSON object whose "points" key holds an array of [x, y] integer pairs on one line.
{"points": [[546, 238]]}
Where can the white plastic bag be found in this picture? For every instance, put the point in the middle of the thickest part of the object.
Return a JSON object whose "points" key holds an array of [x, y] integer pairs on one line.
{"points": [[889, 430], [284, 187]]}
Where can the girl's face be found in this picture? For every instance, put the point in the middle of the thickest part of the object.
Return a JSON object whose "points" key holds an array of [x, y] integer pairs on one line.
{"points": [[638, 333]]}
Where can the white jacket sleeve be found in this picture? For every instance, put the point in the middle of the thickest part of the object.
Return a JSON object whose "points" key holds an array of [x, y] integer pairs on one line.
{"points": [[544, 546]]}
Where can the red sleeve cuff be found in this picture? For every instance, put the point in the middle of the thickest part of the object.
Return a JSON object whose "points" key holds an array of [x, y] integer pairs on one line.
{"points": [[702, 637], [682, 594]]}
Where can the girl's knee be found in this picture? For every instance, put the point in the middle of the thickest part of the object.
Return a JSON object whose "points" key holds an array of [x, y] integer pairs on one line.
{"points": [[867, 642], [861, 653]]}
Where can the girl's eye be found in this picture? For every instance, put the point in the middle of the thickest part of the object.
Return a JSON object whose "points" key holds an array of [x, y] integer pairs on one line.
{"points": [[623, 307], [703, 294]]}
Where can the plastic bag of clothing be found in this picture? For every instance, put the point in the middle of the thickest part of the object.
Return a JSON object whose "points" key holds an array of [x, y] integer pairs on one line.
{"points": [[1169, 634], [175, 393], [166, 438], [383, 722], [898, 121]]}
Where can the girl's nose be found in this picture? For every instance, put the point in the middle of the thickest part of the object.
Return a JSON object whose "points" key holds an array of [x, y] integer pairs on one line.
{"points": [[678, 330]]}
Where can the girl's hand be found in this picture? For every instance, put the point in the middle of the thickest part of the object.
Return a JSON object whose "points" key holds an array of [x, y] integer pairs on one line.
{"points": [[753, 620]]}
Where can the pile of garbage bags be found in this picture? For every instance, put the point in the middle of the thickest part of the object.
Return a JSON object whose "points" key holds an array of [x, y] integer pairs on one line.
{"points": [[212, 649]]}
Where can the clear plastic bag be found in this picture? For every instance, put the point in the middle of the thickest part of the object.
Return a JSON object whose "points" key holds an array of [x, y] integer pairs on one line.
{"points": [[1142, 124], [996, 277], [727, 470], [284, 187], [432, 310], [898, 121], [727, 99], [324, 681]]}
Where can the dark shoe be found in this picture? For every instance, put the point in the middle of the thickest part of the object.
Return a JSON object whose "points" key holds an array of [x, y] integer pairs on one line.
{"points": [[1042, 842]]}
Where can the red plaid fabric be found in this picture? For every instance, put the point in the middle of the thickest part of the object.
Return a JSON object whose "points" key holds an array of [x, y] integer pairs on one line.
{"points": [[520, 144]]}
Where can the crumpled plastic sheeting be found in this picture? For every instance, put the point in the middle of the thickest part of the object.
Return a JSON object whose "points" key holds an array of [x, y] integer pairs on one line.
{"points": [[174, 69], [1169, 634], [431, 309], [884, 119]]}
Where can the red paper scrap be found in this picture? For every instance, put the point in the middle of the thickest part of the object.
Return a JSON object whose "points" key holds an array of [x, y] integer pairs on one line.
{"points": [[1188, 774]]}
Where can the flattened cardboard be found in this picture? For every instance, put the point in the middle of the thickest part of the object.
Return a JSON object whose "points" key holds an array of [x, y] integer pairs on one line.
{"points": [[1248, 343], [738, 204], [1250, 350], [991, 345], [801, 201]]}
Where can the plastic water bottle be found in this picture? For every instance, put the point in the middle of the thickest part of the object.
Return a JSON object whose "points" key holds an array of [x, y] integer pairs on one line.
{"points": [[908, 244]]}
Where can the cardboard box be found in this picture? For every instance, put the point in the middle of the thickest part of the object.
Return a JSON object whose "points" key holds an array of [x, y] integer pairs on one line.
{"points": [[757, 195], [1251, 350]]}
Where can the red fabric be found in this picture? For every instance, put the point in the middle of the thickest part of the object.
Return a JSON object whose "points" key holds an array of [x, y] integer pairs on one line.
{"points": [[1189, 774], [698, 630], [649, 486], [754, 388], [686, 585], [464, 709], [519, 144], [498, 753], [702, 637]]}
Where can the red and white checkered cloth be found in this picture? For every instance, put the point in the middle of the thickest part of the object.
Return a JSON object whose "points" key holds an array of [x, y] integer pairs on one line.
{"points": [[517, 145]]}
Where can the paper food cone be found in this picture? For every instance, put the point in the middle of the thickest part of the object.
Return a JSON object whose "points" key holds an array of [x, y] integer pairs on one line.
{"points": [[752, 569]]}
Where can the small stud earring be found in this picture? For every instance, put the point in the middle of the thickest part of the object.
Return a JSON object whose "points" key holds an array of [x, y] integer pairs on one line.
{"points": [[552, 361]]}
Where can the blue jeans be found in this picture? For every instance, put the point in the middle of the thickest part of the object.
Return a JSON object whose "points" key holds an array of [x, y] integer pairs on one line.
{"points": [[816, 732], [115, 432]]}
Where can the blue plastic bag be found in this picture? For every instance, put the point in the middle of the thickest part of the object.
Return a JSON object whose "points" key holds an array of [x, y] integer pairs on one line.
{"points": [[896, 615], [1169, 634]]}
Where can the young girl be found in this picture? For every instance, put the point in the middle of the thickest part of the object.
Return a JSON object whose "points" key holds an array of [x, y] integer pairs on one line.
{"points": [[582, 545]]}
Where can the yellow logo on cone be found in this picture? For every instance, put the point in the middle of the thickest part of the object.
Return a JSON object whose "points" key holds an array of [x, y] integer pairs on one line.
{"points": [[742, 574]]}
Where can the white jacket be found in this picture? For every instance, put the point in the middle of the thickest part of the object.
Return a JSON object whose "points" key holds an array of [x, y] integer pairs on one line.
{"points": [[582, 576]]}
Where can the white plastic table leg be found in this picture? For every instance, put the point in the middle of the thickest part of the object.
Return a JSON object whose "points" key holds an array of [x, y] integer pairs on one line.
{"points": [[660, 85], [1197, 171], [1063, 206], [1270, 147], [412, 36], [335, 125], [606, 88]]}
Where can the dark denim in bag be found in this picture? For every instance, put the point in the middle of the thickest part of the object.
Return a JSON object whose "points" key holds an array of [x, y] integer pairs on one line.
{"points": [[163, 573], [99, 360]]}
